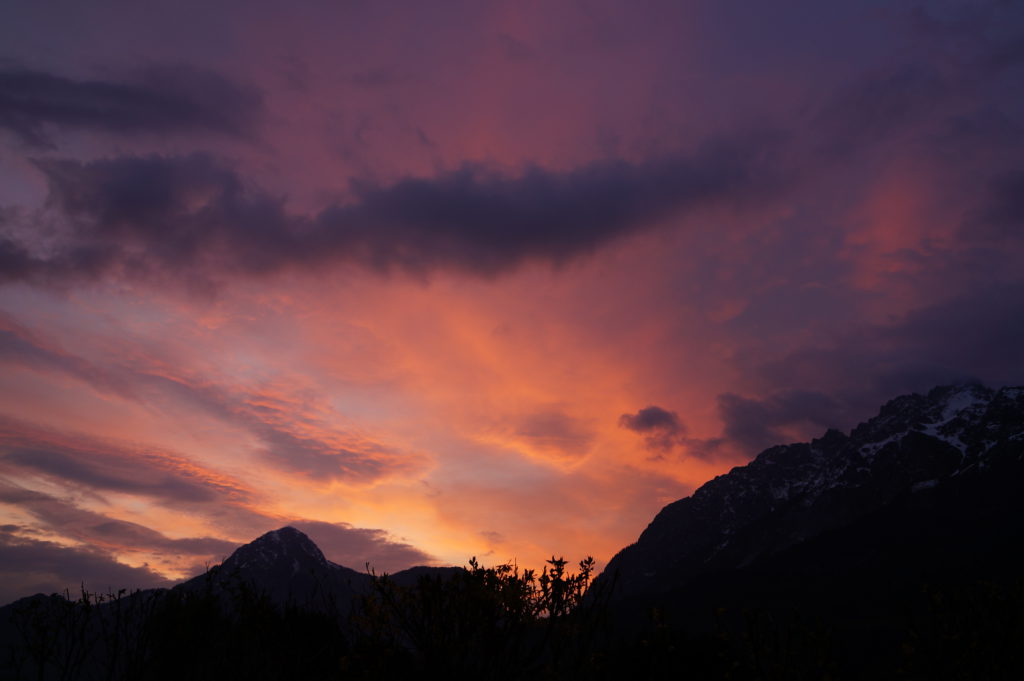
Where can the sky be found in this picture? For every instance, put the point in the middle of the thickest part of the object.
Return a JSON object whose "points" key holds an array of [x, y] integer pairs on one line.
{"points": [[438, 280]]}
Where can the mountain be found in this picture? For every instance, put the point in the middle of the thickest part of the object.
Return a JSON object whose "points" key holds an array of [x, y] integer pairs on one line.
{"points": [[929, 489], [275, 608], [893, 551], [288, 567]]}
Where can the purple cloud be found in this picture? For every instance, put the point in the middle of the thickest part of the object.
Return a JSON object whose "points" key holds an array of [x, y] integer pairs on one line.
{"points": [[192, 215], [176, 99], [662, 429]]}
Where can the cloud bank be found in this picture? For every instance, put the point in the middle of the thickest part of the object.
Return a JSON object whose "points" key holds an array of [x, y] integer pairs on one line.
{"points": [[163, 99], [136, 216]]}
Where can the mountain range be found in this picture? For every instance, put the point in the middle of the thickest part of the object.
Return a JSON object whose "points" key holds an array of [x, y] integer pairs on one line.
{"points": [[851, 528], [958, 445], [939, 473], [893, 551]]}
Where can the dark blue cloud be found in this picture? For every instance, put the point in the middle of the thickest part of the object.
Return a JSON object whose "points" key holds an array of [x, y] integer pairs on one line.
{"points": [[188, 215], [165, 99], [662, 429], [1002, 216], [756, 424]]}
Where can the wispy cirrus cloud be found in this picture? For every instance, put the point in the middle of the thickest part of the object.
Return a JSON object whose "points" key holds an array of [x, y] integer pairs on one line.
{"points": [[20, 346], [291, 439], [99, 465], [101, 531]]}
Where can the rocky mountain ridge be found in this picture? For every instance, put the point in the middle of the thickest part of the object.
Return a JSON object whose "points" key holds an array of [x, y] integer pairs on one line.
{"points": [[790, 494]]}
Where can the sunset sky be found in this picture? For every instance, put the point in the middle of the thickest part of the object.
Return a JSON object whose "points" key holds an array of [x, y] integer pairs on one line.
{"points": [[430, 280]]}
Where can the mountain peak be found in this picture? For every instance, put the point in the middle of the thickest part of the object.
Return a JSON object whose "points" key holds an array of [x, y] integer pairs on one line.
{"points": [[284, 535], [285, 545], [944, 409]]}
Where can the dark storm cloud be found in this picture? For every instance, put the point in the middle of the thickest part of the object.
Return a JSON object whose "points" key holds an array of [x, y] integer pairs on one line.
{"points": [[662, 429], [16, 263], [755, 424], [984, 34], [877, 105], [191, 214], [485, 223], [955, 70], [136, 214], [29, 566], [72, 263], [979, 335], [161, 100], [354, 547], [1003, 216]]}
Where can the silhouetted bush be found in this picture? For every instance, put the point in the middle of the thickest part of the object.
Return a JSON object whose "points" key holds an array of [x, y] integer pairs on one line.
{"points": [[488, 622], [504, 623]]}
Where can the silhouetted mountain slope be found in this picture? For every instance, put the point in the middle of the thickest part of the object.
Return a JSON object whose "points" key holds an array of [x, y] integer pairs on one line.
{"points": [[932, 485], [288, 567]]}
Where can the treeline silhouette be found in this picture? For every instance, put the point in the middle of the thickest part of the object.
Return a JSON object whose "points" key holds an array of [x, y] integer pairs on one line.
{"points": [[505, 623]]}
